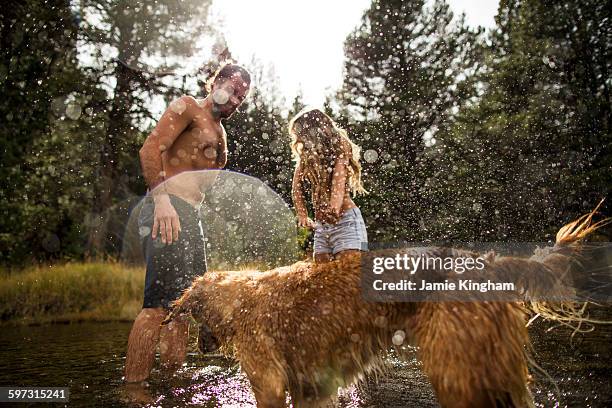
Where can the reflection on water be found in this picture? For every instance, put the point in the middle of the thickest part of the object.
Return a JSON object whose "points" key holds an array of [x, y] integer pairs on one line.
{"points": [[89, 358]]}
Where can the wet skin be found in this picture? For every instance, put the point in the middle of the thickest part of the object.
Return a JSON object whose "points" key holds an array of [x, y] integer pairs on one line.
{"points": [[189, 136]]}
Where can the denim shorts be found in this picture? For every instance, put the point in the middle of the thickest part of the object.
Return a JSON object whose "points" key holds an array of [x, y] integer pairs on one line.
{"points": [[348, 233]]}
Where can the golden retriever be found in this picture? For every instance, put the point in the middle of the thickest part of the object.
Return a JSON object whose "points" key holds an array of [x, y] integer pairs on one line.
{"points": [[307, 329]]}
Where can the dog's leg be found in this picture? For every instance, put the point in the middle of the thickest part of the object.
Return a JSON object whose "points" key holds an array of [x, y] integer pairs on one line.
{"points": [[305, 394], [269, 391], [173, 344], [474, 353], [142, 343], [267, 384], [313, 402]]}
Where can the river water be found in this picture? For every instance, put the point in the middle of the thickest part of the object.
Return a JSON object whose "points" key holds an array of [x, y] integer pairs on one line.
{"points": [[88, 358]]}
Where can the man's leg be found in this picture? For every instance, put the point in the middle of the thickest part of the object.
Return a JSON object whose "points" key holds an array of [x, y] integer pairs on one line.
{"points": [[173, 344], [142, 343]]}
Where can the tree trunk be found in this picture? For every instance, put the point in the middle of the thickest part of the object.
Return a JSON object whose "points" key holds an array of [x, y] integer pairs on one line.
{"points": [[108, 177]]}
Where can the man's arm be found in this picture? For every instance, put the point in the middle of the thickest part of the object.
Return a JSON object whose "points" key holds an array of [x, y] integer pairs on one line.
{"points": [[171, 124]]}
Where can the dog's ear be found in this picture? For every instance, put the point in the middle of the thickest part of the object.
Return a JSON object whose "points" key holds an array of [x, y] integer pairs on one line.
{"points": [[187, 304], [168, 319], [174, 312], [173, 315]]}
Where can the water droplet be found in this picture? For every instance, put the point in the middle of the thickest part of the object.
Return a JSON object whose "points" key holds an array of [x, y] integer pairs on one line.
{"points": [[210, 153], [398, 337], [178, 106], [220, 96], [51, 243], [144, 231], [73, 110], [370, 155], [380, 321], [58, 105], [196, 133]]}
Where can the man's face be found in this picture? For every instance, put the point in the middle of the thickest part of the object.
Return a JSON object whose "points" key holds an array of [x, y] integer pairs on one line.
{"points": [[228, 94]]}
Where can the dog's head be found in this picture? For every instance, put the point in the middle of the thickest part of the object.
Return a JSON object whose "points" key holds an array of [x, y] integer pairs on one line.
{"points": [[187, 304], [198, 300]]}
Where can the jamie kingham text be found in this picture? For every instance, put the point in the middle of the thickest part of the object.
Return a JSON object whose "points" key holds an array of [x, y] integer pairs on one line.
{"points": [[412, 264]]}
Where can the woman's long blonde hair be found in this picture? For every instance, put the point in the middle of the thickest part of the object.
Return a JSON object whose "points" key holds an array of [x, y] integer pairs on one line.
{"points": [[316, 142]]}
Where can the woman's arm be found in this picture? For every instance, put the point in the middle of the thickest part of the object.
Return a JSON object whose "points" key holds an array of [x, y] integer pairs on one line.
{"points": [[298, 197], [338, 187]]}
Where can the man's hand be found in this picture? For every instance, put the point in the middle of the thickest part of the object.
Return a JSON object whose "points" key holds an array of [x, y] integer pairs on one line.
{"points": [[305, 221], [166, 219]]}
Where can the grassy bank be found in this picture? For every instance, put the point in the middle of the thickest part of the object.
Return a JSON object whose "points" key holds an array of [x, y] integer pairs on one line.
{"points": [[71, 292]]}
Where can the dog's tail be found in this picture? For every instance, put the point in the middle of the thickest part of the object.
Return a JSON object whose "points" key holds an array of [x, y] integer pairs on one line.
{"points": [[459, 332], [575, 231], [568, 256]]}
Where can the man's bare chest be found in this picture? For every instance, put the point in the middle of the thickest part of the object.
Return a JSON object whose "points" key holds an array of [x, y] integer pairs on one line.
{"points": [[197, 147]]}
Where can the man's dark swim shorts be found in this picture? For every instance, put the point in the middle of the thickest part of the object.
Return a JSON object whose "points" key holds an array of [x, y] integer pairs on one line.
{"points": [[171, 268]]}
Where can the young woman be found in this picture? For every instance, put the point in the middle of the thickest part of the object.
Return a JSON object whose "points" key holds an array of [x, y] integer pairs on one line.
{"points": [[328, 161]]}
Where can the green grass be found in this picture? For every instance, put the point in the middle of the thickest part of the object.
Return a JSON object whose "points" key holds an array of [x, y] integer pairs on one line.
{"points": [[71, 292]]}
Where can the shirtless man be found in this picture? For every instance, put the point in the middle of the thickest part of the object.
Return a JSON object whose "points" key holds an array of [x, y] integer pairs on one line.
{"points": [[189, 136]]}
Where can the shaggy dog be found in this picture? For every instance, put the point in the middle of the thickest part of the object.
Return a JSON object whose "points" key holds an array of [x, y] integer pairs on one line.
{"points": [[306, 329]]}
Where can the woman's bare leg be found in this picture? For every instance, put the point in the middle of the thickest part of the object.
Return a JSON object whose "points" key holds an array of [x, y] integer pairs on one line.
{"points": [[321, 258], [346, 253]]}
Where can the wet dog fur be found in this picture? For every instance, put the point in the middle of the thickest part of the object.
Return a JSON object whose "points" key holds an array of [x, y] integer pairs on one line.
{"points": [[306, 329]]}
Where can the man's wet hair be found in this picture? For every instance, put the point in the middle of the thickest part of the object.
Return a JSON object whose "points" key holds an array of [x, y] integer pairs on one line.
{"points": [[225, 71]]}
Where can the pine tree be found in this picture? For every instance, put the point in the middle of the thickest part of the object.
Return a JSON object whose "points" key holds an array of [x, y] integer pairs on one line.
{"points": [[40, 80], [137, 32], [408, 68], [258, 140], [535, 149]]}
